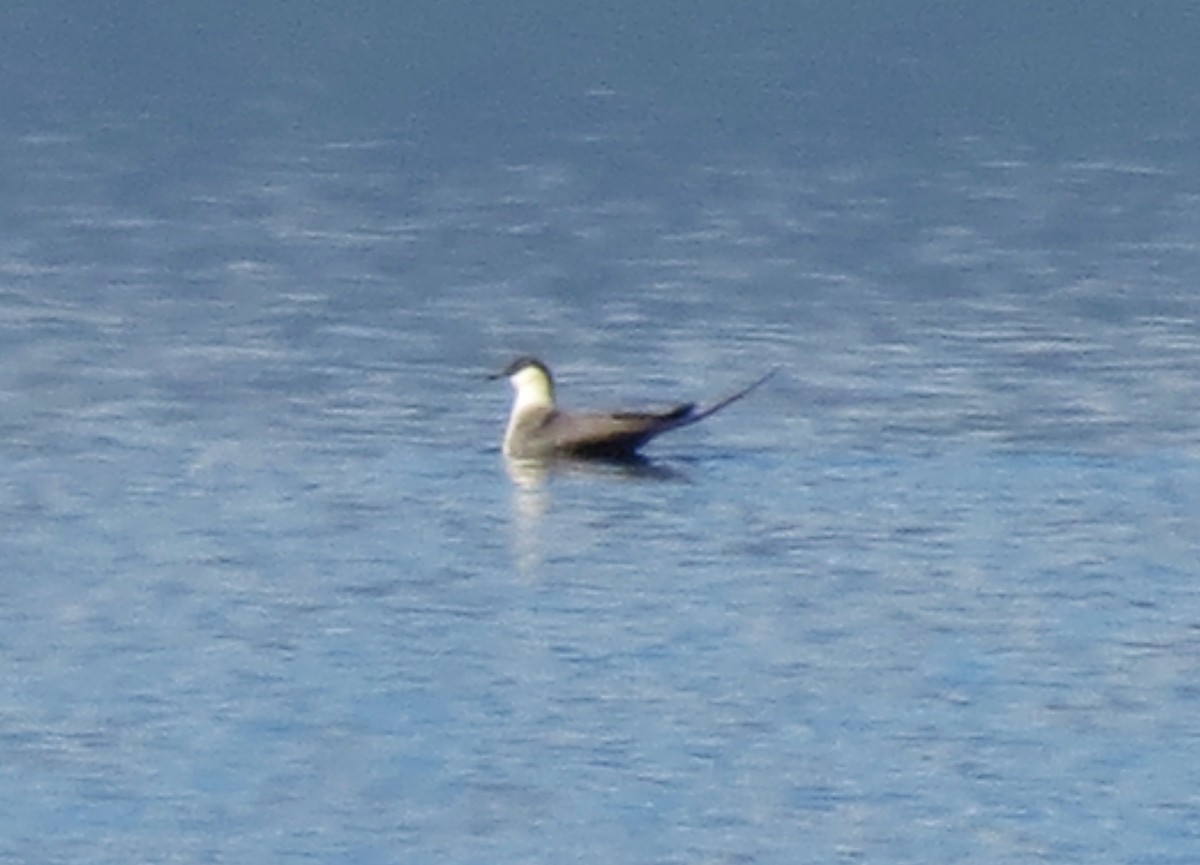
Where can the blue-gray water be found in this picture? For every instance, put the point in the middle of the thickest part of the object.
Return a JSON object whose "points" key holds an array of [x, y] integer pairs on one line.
{"points": [[269, 593]]}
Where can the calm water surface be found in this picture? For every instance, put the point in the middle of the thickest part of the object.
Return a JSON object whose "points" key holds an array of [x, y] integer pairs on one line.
{"points": [[270, 592]]}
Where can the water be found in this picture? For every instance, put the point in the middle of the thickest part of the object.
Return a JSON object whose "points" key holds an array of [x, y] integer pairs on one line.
{"points": [[270, 592]]}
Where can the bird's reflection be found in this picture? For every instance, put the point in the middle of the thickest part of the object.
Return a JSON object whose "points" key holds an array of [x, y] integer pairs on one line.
{"points": [[532, 494], [536, 472]]}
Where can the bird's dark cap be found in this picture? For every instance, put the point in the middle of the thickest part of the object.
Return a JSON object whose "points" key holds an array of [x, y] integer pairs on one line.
{"points": [[519, 363]]}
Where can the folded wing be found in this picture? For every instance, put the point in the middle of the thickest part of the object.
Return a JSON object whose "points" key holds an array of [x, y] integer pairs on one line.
{"points": [[617, 435]]}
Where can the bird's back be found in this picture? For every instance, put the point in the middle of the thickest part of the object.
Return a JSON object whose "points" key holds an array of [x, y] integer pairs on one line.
{"points": [[613, 435]]}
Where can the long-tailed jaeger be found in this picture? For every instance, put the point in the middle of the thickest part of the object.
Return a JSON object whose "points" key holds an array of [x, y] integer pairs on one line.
{"points": [[537, 429]]}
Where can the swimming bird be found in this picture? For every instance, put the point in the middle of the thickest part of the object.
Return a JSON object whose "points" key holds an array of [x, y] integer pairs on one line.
{"points": [[538, 429]]}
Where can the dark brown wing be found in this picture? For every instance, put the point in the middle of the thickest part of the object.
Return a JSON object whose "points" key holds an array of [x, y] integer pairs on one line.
{"points": [[615, 436]]}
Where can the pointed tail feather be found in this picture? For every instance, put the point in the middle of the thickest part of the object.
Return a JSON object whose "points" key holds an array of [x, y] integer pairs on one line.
{"points": [[700, 415]]}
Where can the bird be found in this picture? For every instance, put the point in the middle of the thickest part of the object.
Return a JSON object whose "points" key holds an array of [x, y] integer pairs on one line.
{"points": [[538, 429]]}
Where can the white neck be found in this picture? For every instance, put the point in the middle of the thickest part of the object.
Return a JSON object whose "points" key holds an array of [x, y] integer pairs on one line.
{"points": [[533, 392]]}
